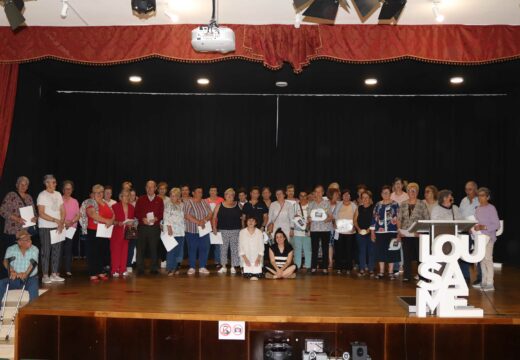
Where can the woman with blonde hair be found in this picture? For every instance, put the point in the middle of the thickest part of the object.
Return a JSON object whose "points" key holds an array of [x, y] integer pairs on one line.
{"points": [[174, 225], [227, 218]]}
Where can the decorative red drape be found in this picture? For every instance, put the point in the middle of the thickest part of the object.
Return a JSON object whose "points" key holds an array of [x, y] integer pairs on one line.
{"points": [[270, 44], [8, 82]]}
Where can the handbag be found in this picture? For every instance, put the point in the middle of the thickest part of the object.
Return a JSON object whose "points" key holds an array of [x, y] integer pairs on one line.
{"points": [[131, 233], [32, 230]]}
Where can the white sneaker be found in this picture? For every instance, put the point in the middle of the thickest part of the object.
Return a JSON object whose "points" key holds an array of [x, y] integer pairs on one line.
{"points": [[222, 270], [191, 271], [116, 275], [46, 279], [125, 273], [233, 270], [163, 264], [56, 278], [487, 288], [203, 271], [129, 270], [477, 286]]}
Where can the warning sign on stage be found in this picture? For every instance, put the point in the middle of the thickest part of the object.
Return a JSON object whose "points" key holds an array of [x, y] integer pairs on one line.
{"points": [[231, 330]]}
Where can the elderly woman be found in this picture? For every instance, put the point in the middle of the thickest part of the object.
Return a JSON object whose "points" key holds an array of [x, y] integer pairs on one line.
{"points": [[197, 213], [98, 212], [10, 211], [384, 228], [301, 239], [333, 196], [52, 217], [344, 223], [281, 253], [251, 249], [362, 222], [131, 243], [281, 214], [398, 195], [71, 206], [320, 220], [488, 224], [227, 218], [410, 211], [445, 210], [123, 217], [430, 197], [174, 223]]}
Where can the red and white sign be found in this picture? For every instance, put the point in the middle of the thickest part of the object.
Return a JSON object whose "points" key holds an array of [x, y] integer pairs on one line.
{"points": [[231, 330]]}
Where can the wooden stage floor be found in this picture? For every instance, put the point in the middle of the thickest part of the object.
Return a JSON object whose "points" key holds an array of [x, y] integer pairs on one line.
{"points": [[306, 299]]}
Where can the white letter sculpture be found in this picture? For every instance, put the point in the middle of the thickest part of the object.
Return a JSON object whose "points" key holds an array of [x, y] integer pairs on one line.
{"points": [[443, 293]]}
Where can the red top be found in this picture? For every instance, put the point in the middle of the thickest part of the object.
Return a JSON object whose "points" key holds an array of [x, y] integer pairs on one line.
{"points": [[144, 206], [104, 212]]}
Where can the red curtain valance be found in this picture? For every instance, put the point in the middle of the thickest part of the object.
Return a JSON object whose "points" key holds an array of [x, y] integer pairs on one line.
{"points": [[270, 44]]}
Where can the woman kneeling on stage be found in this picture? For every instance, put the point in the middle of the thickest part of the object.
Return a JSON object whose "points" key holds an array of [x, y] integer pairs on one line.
{"points": [[251, 249], [281, 256]]}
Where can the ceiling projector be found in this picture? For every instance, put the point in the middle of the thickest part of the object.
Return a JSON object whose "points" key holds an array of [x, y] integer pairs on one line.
{"points": [[213, 38]]}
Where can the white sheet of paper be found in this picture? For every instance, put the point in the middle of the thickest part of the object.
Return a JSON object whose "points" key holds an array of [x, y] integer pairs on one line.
{"points": [[215, 239], [300, 223], [56, 238], [406, 233], [150, 217], [266, 238], [344, 226], [103, 231], [27, 213], [69, 233], [336, 234], [253, 269], [207, 229], [168, 241], [394, 245], [318, 215]]}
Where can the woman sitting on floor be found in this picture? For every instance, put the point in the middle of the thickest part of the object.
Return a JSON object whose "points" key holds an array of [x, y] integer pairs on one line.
{"points": [[281, 253], [251, 249]]}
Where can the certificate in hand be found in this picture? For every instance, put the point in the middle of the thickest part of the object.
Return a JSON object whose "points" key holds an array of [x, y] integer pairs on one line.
{"points": [[318, 215], [103, 231], [344, 226], [69, 233], [56, 238], [252, 269], [150, 217], [300, 223], [27, 213], [215, 239], [207, 229], [168, 241]]}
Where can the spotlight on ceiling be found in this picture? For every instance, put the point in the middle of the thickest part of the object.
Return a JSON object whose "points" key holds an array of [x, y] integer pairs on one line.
{"points": [[281, 84], [203, 81], [371, 81], [365, 8], [135, 79], [143, 6], [437, 12], [457, 80], [13, 12], [319, 9], [64, 9], [391, 10]]}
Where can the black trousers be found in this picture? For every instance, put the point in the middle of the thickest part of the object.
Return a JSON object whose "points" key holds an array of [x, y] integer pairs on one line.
{"points": [[316, 238], [94, 253], [344, 249], [410, 253], [105, 245], [149, 237]]}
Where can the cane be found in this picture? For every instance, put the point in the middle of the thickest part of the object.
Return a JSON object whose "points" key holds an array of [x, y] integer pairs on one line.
{"points": [[4, 299], [34, 265]]}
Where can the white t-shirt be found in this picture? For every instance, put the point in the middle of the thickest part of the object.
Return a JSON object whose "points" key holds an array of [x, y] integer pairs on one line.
{"points": [[52, 202]]}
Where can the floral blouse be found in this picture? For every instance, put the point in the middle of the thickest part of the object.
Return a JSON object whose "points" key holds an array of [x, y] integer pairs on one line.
{"points": [[385, 217], [174, 216], [10, 206]]}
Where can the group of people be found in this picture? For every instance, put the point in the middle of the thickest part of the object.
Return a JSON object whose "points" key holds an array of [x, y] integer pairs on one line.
{"points": [[258, 236]]}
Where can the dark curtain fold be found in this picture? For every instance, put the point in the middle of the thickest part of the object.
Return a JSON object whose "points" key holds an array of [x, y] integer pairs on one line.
{"points": [[270, 44], [8, 83]]}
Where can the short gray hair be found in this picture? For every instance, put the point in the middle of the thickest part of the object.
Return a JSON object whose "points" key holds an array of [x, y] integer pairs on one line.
{"points": [[22, 178], [443, 194], [485, 190], [48, 177]]}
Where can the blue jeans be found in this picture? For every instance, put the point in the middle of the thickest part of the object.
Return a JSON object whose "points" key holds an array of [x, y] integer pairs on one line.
{"points": [[365, 248], [200, 244], [31, 286], [172, 257], [216, 252], [302, 242]]}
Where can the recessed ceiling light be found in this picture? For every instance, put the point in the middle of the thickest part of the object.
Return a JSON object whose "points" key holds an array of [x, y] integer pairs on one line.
{"points": [[281, 83], [457, 80], [371, 81], [135, 79], [203, 81], [437, 13]]}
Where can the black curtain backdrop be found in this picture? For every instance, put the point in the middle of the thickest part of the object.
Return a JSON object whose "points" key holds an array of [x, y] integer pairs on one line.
{"points": [[232, 141]]}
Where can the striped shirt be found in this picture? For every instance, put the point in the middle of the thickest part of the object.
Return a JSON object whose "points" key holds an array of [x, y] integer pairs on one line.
{"points": [[281, 257], [199, 210], [22, 262]]}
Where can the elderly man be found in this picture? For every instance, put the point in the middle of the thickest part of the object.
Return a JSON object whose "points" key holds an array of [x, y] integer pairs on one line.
{"points": [[149, 211], [20, 261], [468, 205]]}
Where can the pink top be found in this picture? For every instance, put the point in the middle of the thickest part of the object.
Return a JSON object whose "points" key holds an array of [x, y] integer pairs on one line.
{"points": [[71, 210], [213, 203], [399, 198]]}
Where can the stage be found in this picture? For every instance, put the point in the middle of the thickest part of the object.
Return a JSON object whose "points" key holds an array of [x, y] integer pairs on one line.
{"points": [[157, 316]]}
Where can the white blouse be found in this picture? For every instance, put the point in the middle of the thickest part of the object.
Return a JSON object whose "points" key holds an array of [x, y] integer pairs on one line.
{"points": [[250, 245]]}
